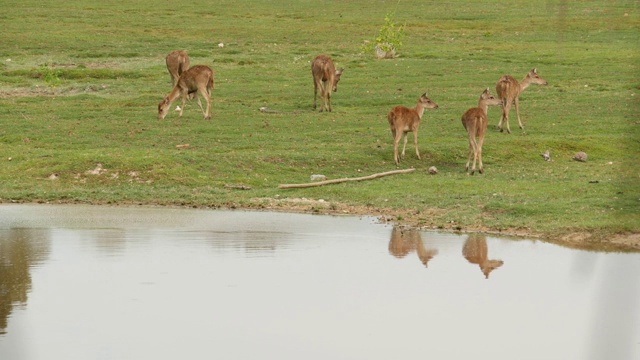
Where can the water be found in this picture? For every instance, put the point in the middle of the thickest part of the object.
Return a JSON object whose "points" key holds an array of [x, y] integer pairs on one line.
{"points": [[83, 282]]}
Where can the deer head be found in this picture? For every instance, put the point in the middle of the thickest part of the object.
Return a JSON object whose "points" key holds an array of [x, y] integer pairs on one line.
{"points": [[426, 103], [163, 108], [336, 79], [535, 78]]}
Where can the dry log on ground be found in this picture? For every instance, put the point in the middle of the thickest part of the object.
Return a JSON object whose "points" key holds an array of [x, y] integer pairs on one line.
{"points": [[335, 181]]}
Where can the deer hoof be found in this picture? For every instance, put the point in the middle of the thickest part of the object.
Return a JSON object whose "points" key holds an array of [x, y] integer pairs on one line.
{"points": [[481, 171]]}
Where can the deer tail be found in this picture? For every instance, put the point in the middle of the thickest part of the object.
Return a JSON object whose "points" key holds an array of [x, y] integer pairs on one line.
{"points": [[210, 84], [391, 117]]}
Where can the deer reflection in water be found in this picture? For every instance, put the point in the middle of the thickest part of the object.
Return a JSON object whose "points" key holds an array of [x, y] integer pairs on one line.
{"points": [[476, 252], [404, 241]]}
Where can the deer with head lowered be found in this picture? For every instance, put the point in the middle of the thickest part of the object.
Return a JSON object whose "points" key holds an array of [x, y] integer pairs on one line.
{"points": [[196, 79], [177, 63], [326, 78], [403, 120], [509, 90], [475, 122]]}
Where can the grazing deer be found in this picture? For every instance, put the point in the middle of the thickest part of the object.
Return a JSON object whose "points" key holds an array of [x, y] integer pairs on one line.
{"points": [[476, 252], [475, 122], [509, 91], [177, 63], [196, 79], [324, 75], [403, 120]]}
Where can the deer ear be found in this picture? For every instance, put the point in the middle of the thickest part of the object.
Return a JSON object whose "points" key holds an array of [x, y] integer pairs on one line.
{"points": [[535, 71]]}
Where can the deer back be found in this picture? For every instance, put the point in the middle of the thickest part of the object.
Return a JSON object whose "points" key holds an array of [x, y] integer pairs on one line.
{"points": [[199, 74], [507, 87], [474, 118]]}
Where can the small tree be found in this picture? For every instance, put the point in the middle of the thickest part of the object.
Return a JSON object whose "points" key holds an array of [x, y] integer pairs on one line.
{"points": [[388, 41]]}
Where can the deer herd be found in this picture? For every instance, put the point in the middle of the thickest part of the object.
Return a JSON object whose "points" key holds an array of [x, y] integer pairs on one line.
{"points": [[189, 81]]}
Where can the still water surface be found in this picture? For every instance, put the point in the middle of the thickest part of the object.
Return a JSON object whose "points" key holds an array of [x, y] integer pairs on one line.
{"points": [[83, 282]]}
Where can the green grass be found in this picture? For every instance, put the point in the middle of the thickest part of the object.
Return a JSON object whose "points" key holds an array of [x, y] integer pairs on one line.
{"points": [[80, 82]]}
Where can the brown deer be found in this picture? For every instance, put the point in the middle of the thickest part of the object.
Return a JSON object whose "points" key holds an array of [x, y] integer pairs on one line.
{"points": [[324, 75], [475, 122], [475, 250], [177, 63], [403, 120], [196, 79], [509, 91]]}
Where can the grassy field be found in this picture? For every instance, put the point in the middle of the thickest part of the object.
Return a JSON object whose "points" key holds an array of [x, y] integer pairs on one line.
{"points": [[80, 82]]}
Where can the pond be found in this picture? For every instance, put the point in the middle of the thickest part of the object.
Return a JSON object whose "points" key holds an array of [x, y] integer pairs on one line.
{"points": [[88, 282]]}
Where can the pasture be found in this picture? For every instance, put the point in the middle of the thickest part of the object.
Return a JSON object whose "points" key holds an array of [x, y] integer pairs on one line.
{"points": [[80, 83]]}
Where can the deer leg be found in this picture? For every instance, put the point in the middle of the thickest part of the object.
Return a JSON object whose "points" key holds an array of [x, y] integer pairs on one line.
{"points": [[184, 100], [470, 153], [396, 142], [207, 97], [415, 142], [315, 94], [505, 114], [518, 113], [504, 101], [405, 145], [479, 150], [329, 100]]}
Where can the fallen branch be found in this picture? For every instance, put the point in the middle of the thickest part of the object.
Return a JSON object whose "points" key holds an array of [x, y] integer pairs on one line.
{"points": [[335, 181]]}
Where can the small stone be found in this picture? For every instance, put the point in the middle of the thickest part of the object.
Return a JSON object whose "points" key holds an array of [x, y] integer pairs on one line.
{"points": [[580, 156], [318, 177], [546, 156], [433, 170]]}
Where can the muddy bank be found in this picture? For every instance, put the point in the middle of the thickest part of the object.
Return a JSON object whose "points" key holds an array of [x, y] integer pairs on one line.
{"points": [[586, 240]]}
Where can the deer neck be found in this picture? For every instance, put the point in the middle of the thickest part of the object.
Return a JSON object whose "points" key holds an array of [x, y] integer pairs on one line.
{"points": [[482, 105], [174, 94], [524, 84], [420, 110]]}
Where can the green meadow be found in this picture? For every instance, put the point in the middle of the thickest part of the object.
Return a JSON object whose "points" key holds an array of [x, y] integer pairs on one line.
{"points": [[80, 82]]}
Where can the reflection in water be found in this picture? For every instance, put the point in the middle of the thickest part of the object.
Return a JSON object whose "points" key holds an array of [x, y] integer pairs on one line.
{"points": [[403, 241], [475, 251], [139, 283], [20, 250]]}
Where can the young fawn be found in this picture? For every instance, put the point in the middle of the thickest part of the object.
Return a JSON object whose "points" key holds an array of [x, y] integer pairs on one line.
{"points": [[475, 122], [324, 75], [177, 63], [196, 79], [403, 120], [509, 90]]}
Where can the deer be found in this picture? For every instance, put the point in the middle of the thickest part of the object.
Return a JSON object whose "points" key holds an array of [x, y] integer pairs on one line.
{"points": [[403, 120], [475, 250], [509, 90], [177, 63], [196, 79], [475, 122], [324, 75]]}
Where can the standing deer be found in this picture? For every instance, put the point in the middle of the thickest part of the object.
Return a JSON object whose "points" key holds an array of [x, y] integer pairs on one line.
{"points": [[509, 91], [324, 75], [177, 63], [403, 120], [196, 79], [475, 122]]}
